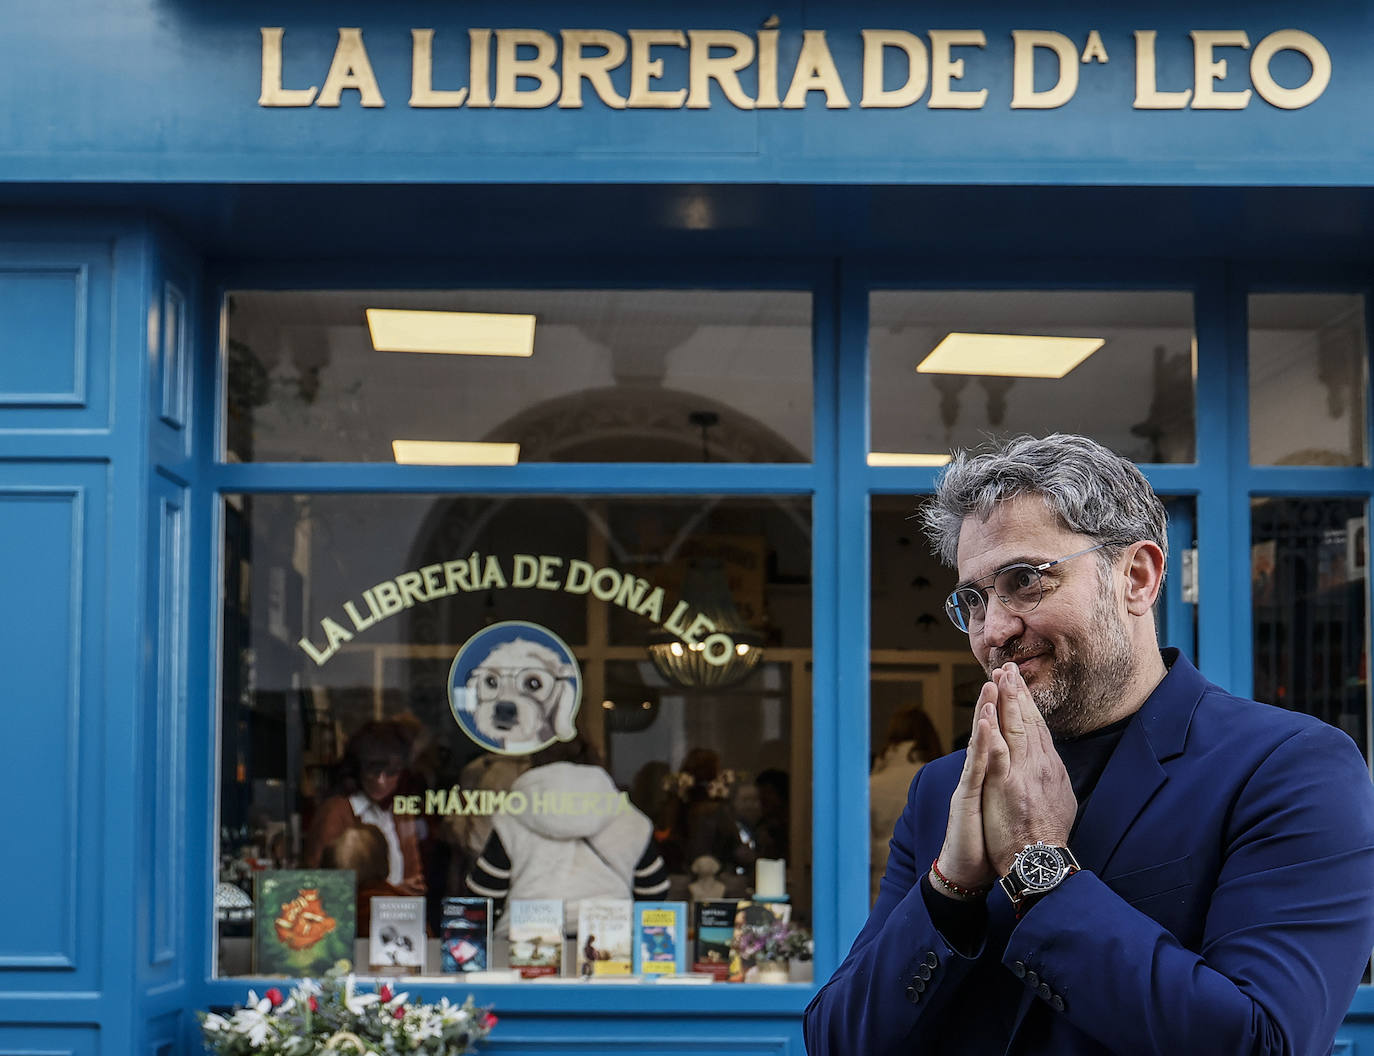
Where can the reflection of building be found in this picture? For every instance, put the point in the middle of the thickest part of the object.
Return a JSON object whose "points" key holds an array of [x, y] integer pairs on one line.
{"points": [[181, 510]]}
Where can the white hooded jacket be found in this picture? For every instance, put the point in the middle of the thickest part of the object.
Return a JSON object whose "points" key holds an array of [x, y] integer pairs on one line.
{"points": [[576, 838]]}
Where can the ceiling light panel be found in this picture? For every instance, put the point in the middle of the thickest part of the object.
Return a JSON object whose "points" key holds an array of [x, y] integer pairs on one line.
{"points": [[454, 453], [905, 458], [451, 333], [1009, 355]]}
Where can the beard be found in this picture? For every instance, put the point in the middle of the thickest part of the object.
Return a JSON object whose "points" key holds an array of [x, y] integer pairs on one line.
{"points": [[1085, 675]]}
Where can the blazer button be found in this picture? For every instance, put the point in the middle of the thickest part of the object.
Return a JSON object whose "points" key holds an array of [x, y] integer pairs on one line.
{"points": [[923, 971], [920, 985], [1018, 969], [932, 960], [912, 994], [1044, 991], [1057, 1003], [1032, 980]]}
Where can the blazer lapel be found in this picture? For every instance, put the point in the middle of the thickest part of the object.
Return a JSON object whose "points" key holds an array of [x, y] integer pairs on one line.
{"points": [[1131, 778]]}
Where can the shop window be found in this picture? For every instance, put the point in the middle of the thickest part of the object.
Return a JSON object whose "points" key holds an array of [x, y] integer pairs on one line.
{"points": [[397, 668], [1309, 568], [948, 368], [463, 377], [1307, 379]]}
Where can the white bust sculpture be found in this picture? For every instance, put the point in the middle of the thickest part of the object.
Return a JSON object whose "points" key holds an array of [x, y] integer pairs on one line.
{"points": [[707, 884]]}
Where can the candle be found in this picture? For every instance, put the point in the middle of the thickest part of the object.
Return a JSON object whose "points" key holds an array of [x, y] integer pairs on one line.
{"points": [[770, 877]]}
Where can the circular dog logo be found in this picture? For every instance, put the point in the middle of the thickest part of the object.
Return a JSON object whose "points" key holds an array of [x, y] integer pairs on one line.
{"points": [[515, 687]]}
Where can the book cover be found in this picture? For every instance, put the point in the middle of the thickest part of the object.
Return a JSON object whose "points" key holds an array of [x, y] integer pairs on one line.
{"points": [[660, 946], [603, 937], [750, 912], [397, 943], [713, 926], [304, 920], [465, 934], [536, 936]]}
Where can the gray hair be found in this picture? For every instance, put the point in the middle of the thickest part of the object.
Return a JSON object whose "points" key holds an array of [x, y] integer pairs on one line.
{"points": [[1092, 490]]}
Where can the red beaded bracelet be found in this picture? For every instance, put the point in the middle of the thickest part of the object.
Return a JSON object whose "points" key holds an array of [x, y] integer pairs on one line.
{"points": [[958, 889]]}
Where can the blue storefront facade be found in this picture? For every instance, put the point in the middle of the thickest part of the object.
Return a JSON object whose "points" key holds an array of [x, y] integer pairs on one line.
{"points": [[732, 228]]}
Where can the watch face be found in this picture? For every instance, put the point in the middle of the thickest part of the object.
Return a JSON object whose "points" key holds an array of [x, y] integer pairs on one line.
{"points": [[1040, 868]]}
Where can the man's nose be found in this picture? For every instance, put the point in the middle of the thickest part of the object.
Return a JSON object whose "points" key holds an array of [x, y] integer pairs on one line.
{"points": [[1000, 624]]}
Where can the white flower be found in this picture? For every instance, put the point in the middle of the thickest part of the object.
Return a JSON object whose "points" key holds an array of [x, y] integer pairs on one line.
{"points": [[213, 1021], [252, 1023], [355, 1002]]}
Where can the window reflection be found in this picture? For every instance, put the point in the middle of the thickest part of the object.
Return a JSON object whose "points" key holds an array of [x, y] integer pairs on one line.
{"points": [[1134, 392], [614, 376], [1307, 359], [1309, 567]]}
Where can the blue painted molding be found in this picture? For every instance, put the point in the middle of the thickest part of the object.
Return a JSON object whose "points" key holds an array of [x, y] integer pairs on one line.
{"points": [[49, 542]]}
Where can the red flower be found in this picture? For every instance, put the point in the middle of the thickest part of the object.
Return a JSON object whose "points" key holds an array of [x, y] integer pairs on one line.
{"points": [[275, 996], [489, 1020], [399, 1013], [313, 1003], [385, 992]]}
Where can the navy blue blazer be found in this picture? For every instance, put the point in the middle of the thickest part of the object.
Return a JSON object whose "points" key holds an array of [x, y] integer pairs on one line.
{"points": [[1226, 904]]}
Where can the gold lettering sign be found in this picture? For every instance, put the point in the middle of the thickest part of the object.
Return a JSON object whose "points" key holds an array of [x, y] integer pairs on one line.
{"points": [[525, 69], [478, 572]]}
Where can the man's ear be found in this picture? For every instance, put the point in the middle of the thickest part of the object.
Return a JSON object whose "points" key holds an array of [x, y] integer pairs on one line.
{"points": [[1144, 577]]}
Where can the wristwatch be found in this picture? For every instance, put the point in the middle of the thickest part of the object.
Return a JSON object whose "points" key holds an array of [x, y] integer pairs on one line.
{"points": [[1037, 869]]}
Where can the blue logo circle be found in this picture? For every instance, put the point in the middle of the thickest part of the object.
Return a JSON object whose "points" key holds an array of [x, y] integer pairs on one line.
{"points": [[515, 688]]}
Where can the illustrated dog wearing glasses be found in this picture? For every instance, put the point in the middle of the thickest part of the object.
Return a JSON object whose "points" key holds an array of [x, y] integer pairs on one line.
{"points": [[521, 697]]}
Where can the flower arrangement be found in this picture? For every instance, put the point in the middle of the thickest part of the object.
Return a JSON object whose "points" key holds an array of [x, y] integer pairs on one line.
{"points": [[334, 1015], [722, 786], [778, 941]]}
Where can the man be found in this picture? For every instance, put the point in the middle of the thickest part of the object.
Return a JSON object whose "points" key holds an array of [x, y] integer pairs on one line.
{"points": [[1127, 859]]}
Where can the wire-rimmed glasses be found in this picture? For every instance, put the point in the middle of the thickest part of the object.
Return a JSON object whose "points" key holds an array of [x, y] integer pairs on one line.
{"points": [[534, 682], [1019, 587]]}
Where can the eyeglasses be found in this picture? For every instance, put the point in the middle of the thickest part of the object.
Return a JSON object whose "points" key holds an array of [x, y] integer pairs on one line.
{"points": [[533, 682], [1019, 587]]}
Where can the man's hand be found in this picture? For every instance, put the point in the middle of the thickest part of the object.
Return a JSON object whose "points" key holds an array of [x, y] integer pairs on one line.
{"points": [[963, 858], [1027, 795]]}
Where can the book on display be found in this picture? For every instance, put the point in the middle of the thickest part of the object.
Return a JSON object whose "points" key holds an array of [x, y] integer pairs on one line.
{"points": [[396, 945], [465, 934], [536, 936], [604, 945], [304, 920], [713, 926], [660, 938]]}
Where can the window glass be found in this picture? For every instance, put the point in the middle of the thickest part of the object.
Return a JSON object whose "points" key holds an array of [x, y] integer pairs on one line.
{"points": [[1307, 379], [1309, 567], [1127, 361], [567, 375], [602, 683]]}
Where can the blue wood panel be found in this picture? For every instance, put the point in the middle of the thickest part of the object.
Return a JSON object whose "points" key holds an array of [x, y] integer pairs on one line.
{"points": [[673, 1035], [43, 318], [173, 361], [49, 1041], [165, 737], [42, 530], [55, 315]]}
